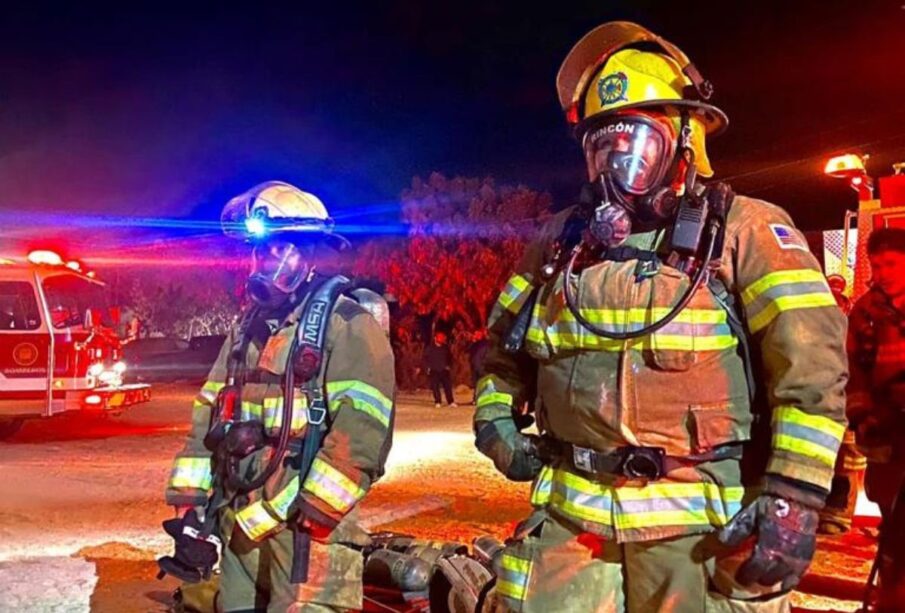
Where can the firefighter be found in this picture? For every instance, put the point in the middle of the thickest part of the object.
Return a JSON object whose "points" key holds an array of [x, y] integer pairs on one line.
{"points": [[292, 427], [681, 354], [876, 393]]}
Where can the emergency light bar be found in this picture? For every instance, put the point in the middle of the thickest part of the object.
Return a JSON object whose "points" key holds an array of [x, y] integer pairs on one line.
{"points": [[45, 258]]}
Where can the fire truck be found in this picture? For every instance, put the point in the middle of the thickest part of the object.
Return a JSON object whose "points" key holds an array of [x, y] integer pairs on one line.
{"points": [[58, 348]]}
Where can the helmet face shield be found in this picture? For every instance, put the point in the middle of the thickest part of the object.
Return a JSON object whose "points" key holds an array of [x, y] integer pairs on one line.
{"points": [[634, 151], [279, 267]]}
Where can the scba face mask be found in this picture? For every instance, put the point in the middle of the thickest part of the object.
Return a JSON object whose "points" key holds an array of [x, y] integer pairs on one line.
{"points": [[634, 152], [630, 156], [279, 268]]}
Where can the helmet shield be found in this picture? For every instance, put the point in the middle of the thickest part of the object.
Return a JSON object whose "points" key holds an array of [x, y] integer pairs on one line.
{"points": [[634, 151], [279, 268], [274, 209]]}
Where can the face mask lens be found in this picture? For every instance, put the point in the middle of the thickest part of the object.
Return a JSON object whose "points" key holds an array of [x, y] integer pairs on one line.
{"points": [[633, 153], [282, 263]]}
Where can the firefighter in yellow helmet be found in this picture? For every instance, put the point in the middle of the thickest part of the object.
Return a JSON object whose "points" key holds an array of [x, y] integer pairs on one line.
{"points": [[291, 428], [681, 354]]}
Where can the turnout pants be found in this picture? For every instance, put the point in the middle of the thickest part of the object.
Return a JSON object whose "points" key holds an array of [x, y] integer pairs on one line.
{"points": [[556, 568], [255, 575]]}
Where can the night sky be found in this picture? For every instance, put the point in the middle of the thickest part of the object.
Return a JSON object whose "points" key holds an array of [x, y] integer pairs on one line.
{"points": [[169, 113]]}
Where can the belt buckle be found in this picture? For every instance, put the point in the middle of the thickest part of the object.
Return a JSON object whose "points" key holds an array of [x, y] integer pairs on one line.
{"points": [[581, 458], [643, 463]]}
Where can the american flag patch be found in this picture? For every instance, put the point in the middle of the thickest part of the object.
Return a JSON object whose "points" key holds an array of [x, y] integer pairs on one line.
{"points": [[787, 237]]}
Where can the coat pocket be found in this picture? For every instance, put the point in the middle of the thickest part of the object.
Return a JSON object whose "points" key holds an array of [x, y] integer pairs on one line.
{"points": [[718, 423]]}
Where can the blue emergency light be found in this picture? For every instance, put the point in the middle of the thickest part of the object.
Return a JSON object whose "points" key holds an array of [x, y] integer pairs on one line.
{"points": [[256, 226]]}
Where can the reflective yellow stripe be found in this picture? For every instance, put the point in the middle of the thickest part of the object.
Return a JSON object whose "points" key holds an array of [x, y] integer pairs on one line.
{"points": [[805, 448], [627, 508], [510, 590], [784, 290], [333, 487], [273, 412], [515, 293], [645, 316], [209, 392], [256, 521], [251, 411], [486, 382], [194, 473], [788, 303], [691, 330], [812, 436], [213, 386], [260, 518], [515, 564], [364, 397], [513, 576], [794, 415], [780, 277], [494, 398], [540, 489], [492, 404]]}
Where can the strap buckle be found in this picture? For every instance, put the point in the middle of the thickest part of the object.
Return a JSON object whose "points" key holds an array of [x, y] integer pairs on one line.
{"points": [[317, 408], [582, 458]]}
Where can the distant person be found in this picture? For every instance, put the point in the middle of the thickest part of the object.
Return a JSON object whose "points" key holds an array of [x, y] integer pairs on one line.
{"points": [[848, 476], [838, 285], [876, 395], [477, 351], [437, 361]]}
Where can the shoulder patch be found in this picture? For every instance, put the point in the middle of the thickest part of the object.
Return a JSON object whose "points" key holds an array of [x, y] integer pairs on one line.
{"points": [[787, 237]]}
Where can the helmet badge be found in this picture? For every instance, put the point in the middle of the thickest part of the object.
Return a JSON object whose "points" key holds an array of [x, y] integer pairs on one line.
{"points": [[612, 88]]}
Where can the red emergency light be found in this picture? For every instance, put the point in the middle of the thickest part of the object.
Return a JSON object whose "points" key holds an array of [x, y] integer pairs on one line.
{"points": [[850, 167], [846, 166], [45, 258]]}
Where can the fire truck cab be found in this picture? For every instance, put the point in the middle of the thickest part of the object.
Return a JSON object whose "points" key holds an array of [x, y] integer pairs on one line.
{"points": [[58, 348]]}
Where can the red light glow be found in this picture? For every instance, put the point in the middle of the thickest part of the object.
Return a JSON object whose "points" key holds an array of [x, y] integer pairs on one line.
{"points": [[45, 258]]}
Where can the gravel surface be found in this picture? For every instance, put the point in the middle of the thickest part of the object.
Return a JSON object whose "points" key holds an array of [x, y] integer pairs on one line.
{"points": [[83, 502]]}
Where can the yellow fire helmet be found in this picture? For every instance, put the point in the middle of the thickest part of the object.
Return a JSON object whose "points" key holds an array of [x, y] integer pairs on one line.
{"points": [[621, 66], [275, 208]]}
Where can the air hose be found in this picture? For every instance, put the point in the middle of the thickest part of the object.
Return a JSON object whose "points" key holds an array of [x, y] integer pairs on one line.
{"points": [[700, 276]]}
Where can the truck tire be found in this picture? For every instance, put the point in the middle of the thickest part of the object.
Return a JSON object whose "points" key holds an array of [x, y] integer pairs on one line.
{"points": [[9, 426]]}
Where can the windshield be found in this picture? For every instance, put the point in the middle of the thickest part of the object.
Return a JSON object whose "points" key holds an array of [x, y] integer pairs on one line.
{"points": [[18, 307], [70, 296]]}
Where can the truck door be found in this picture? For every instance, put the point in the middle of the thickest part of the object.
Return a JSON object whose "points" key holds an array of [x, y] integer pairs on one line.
{"points": [[24, 348]]}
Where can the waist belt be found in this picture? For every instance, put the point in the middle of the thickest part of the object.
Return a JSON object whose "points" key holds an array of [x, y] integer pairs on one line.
{"points": [[649, 463]]}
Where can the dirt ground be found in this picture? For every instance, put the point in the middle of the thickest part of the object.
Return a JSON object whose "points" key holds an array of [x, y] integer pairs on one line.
{"points": [[83, 501]]}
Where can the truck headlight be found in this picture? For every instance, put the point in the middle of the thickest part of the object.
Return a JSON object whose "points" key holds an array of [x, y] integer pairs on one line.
{"points": [[95, 369], [119, 368]]}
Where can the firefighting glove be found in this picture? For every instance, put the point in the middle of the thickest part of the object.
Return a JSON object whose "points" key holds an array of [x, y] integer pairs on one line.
{"points": [[785, 539], [195, 556], [509, 449]]}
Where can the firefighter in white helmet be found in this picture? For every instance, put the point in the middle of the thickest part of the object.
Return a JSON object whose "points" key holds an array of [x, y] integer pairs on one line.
{"points": [[291, 428]]}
